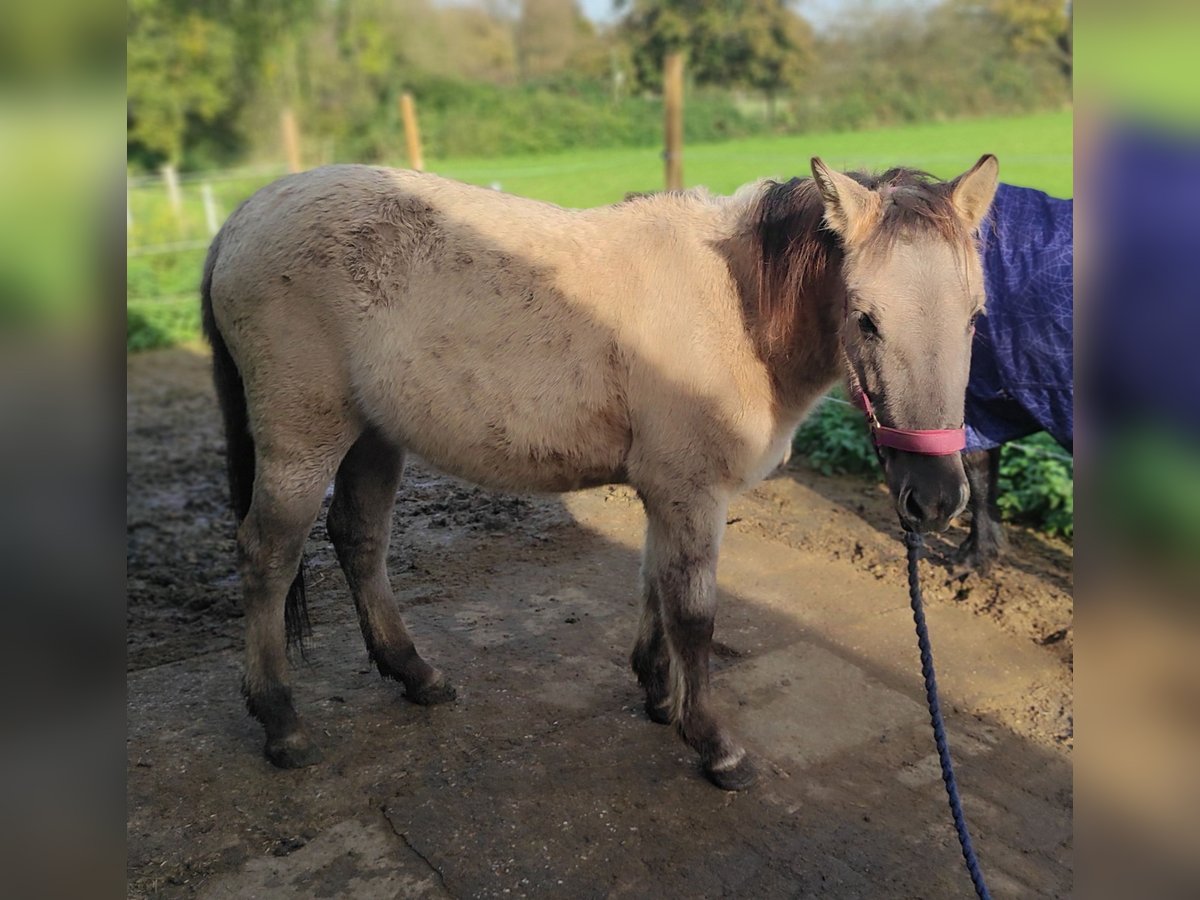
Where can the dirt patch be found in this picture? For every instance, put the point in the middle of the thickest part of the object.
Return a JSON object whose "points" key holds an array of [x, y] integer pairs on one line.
{"points": [[1029, 593], [545, 778]]}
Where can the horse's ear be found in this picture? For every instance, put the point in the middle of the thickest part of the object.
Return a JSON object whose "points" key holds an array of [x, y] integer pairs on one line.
{"points": [[972, 192], [848, 205]]}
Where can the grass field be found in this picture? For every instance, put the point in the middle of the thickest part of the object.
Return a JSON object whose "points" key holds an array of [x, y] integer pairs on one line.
{"points": [[1034, 151]]}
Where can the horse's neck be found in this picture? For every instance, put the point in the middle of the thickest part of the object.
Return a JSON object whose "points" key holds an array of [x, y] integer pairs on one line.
{"points": [[812, 362], [812, 359]]}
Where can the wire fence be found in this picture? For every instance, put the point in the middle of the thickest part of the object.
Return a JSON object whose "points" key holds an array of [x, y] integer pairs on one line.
{"points": [[172, 213]]}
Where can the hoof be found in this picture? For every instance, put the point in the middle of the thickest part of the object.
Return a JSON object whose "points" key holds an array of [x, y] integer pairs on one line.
{"points": [[659, 713], [293, 752], [981, 550], [437, 691], [975, 559], [736, 777]]}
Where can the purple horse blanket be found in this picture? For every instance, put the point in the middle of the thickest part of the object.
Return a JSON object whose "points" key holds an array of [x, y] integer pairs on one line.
{"points": [[1022, 359]]}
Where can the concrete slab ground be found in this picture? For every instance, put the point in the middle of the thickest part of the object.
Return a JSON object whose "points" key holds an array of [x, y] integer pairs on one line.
{"points": [[545, 778]]}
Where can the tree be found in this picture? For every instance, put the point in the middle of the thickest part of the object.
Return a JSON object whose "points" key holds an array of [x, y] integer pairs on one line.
{"points": [[180, 68], [772, 47], [760, 44], [480, 44], [1031, 27], [357, 59], [550, 33], [895, 64], [193, 64]]}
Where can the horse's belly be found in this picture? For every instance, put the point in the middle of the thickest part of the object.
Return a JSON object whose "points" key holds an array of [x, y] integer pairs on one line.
{"points": [[501, 431], [556, 462], [512, 473], [551, 467]]}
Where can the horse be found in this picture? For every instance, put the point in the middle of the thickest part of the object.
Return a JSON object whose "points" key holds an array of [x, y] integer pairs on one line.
{"points": [[672, 343], [1022, 358]]}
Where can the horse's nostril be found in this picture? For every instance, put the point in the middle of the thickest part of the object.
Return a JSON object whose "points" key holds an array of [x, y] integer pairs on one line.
{"points": [[913, 508], [964, 497]]}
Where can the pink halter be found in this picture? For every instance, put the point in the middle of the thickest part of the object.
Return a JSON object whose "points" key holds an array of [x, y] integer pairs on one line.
{"points": [[930, 442]]}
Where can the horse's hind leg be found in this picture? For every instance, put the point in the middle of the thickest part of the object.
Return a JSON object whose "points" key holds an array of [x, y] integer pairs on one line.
{"points": [[683, 539], [288, 489], [360, 525], [650, 660]]}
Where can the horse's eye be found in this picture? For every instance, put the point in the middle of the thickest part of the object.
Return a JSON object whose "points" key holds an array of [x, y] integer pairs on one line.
{"points": [[867, 326]]}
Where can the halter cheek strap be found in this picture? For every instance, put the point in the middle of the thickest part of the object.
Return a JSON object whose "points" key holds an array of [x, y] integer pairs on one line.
{"points": [[929, 442]]}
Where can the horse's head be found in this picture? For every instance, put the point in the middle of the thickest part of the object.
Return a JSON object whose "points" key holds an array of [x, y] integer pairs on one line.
{"points": [[914, 285]]}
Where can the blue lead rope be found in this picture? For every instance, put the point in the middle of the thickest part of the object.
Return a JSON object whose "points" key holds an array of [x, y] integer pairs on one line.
{"points": [[914, 544]]}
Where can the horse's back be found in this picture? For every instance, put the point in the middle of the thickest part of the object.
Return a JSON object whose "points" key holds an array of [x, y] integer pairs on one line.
{"points": [[511, 342], [440, 309]]}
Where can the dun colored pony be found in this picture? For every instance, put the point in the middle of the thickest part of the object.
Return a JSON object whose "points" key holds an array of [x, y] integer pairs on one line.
{"points": [[671, 342]]}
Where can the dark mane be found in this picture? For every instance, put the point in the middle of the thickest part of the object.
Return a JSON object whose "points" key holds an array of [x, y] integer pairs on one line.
{"points": [[800, 258], [797, 255]]}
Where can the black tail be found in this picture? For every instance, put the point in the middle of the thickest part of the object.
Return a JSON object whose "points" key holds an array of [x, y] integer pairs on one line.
{"points": [[239, 445]]}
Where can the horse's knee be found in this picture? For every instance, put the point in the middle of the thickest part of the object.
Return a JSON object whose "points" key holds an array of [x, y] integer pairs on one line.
{"points": [[270, 541]]}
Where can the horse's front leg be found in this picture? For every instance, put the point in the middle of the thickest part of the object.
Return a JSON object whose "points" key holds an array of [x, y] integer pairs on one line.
{"points": [[987, 540], [682, 543]]}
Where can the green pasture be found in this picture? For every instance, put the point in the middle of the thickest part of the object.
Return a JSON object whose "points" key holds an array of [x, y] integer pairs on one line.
{"points": [[1034, 151]]}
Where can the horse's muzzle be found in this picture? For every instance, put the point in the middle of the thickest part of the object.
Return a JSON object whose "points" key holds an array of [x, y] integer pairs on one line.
{"points": [[930, 491]]}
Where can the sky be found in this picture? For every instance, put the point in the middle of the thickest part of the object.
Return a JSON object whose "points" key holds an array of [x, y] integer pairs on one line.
{"points": [[819, 12]]}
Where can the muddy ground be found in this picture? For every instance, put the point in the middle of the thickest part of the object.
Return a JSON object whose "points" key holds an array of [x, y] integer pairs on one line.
{"points": [[545, 778]]}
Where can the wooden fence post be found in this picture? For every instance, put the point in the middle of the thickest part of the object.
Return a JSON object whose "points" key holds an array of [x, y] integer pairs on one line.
{"points": [[171, 179], [412, 134], [291, 139], [673, 109], [170, 176], [211, 217]]}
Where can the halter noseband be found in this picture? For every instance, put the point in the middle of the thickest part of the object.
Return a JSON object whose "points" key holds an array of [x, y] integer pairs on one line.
{"points": [[929, 442]]}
